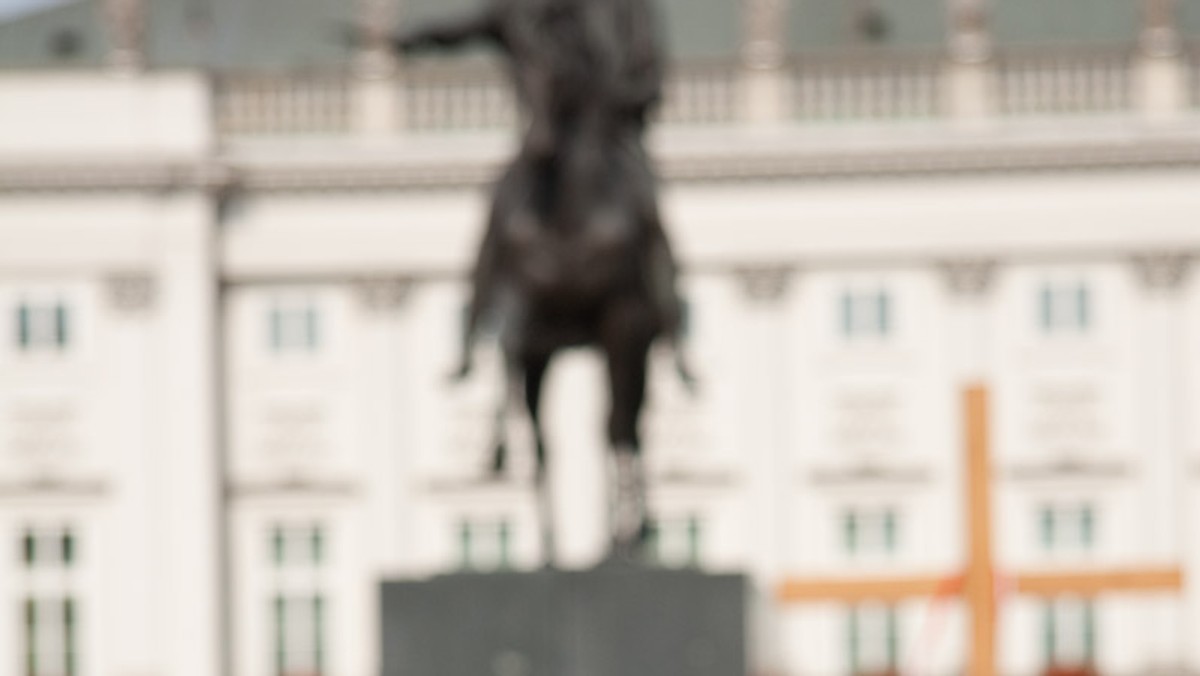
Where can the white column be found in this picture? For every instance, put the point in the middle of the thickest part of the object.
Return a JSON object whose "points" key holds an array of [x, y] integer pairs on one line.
{"points": [[970, 77], [1161, 71], [765, 433], [189, 509], [764, 76], [130, 631], [1165, 461]]}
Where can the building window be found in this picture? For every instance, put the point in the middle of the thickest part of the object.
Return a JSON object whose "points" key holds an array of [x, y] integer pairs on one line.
{"points": [[42, 325], [299, 605], [675, 543], [485, 545], [49, 607], [870, 533], [1065, 307], [867, 314], [294, 325], [1069, 634], [873, 639], [1067, 529]]}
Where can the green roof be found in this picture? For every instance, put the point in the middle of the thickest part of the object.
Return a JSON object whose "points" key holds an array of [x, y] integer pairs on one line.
{"points": [[66, 36], [298, 34], [278, 34], [833, 24], [1065, 21]]}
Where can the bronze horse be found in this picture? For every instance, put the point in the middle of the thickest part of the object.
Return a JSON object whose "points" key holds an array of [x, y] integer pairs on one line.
{"points": [[574, 252]]}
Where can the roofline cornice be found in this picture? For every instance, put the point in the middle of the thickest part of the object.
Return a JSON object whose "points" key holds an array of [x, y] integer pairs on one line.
{"points": [[351, 175]]}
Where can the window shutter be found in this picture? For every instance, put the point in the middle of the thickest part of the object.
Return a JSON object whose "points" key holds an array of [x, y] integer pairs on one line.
{"points": [[694, 541], [318, 545], [464, 534], [319, 634], [1047, 523], [1049, 634], [1087, 526], [504, 535], [889, 530], [29, 547], [852, 640], [31, 637], [275, 329], [893, 638], [312, 327], [280, 635], [68, 548], [885, 313], [1084, 309], [61, 329], [1089, 632], [847, 314], [23, 326], [69, 643], [277, 546], [850, 524]]}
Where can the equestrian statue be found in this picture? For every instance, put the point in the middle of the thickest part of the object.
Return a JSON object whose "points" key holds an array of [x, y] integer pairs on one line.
{"points": [[574, 253]]}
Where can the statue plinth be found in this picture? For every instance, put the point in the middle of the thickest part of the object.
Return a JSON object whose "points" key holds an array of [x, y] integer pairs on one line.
{"points": [[608, 621]]}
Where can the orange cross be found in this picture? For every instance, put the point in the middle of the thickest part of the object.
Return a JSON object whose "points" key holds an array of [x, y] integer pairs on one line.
{"points": [[977, 583]]}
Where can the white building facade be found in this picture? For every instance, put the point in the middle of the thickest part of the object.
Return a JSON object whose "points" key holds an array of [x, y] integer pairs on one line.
{"points": [[229, 305]]}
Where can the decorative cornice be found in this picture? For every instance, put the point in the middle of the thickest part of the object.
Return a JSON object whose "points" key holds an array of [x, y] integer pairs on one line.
{"points": [[1068, 468], [869, 474], [52, 486], [728, 164], [293, 486]]}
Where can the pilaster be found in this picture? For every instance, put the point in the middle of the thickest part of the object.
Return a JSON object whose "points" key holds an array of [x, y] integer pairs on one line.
{"points": [[1162, 276]]}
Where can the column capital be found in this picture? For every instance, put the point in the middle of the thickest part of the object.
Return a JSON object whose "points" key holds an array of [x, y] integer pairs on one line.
{"points": [[1163, 271], [765, 284], [968, 277]]}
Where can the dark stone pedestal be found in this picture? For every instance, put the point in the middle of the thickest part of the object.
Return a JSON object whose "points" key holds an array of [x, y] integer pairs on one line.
{"points": [[604, 622]]}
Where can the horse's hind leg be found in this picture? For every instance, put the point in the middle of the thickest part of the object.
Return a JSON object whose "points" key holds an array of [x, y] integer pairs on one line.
{"points": [[535, 371], [627, 362]]}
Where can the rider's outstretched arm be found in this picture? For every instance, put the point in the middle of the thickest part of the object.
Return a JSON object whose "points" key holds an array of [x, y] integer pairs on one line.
{"points": [[450, 33]]}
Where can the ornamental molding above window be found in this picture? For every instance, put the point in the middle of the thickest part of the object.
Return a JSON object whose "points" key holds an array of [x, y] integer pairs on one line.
{"points": [[384, 293], [766, 283], [53, 486], [1068, 467], [868, 473], [969, 277], [132, 292], [1163, 271]]}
